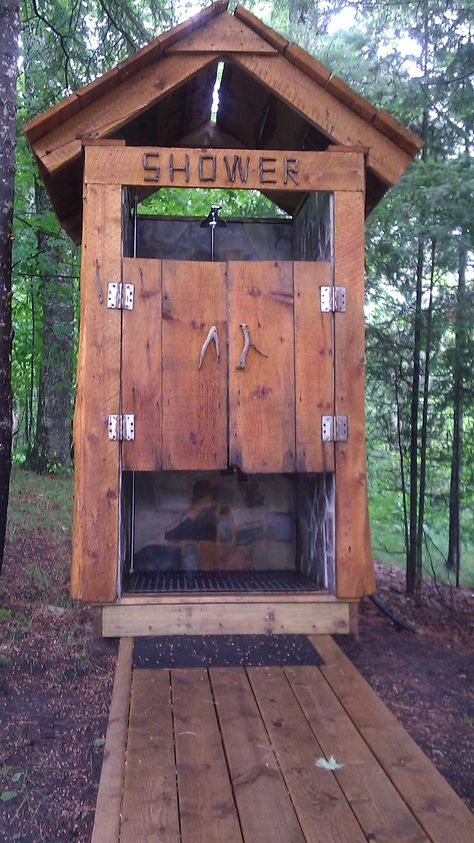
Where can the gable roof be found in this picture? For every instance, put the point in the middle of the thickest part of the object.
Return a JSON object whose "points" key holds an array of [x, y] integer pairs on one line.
{"points": [[273, 95]]}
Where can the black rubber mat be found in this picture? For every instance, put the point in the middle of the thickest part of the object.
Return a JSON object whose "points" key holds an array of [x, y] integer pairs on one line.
{"points": [[224, 651], [216, 582]]}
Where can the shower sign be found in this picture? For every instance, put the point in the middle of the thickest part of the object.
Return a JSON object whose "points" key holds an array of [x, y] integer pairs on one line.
{"points": [[221, 168]]}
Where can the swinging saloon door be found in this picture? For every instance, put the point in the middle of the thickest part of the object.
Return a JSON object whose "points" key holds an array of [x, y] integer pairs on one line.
{"points": [[227, 364]]}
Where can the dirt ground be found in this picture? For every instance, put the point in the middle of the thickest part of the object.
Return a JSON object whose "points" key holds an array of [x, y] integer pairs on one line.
{"points": [[56, 681]]}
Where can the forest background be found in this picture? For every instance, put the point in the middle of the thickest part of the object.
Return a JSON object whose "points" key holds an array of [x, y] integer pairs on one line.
{"points": [[414, 58]]}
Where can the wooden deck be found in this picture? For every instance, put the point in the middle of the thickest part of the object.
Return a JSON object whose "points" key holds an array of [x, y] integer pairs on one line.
{"points": [[227, 755]]}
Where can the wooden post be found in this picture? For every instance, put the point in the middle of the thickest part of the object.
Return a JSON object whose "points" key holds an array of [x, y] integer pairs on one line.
{"points": [[96, 504], [354, 574]]}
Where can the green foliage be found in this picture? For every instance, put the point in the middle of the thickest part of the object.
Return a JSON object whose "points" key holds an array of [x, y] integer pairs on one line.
{"points": [[414, 60], [180, 201], [38, 502]]}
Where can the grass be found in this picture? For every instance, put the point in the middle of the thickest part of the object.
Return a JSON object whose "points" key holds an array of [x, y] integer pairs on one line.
{"points": [[39, 502], [45, 502], [388, 545]]}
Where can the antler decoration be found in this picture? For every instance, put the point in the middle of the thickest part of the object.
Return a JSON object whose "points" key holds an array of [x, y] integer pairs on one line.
{"points": [[212, 336], [248, 344]]}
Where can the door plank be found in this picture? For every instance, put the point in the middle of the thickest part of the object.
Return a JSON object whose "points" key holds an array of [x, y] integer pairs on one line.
{"points": [[194, 401], [150, 807], [206, 805], [314, 367], [354, 566], [442, 814], [96, 490], [380, 810], [262, 395], [141, 364], [265, 809], [319, 802]]}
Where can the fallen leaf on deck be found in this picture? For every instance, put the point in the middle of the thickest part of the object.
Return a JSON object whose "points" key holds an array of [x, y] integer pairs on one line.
{"points": [[331, 764]]}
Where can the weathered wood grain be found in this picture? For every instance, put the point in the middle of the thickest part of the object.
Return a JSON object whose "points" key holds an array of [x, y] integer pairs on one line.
{"points": [[314, 366], [381, 812], [441, 813], [141, 365], [260, 792], [109, 798], [354, 568], [96, 499], [225, 618], [194, 400], [150, 804], [317, 798], [206, 804], [109, 112], [331, 116], [262, 394], [317, 170], [221, 34]]}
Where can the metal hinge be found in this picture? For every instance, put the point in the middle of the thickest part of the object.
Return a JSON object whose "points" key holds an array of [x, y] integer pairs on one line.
{"points": [[121, 427], [333, 299], [335, 429], [120, 296]]}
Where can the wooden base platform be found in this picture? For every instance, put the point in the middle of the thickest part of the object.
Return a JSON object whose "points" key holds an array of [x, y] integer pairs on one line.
{"points": [[311, 613], [227, 755]]}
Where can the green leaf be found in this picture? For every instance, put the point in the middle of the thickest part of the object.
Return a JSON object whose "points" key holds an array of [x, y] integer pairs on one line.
{"points": [[8, 795], [16, 778]]}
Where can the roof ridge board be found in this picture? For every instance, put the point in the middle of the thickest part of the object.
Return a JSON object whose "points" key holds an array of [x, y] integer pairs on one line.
{"points": [[82, 97], [266, 32], [223, 33]]}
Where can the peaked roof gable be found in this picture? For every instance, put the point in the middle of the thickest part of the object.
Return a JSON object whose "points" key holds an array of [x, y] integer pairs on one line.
{"points": [[273, 95]]}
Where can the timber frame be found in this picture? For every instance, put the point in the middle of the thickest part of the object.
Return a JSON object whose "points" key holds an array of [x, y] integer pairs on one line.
{"points": [[273, 95], [287, 127], [107, 171]]}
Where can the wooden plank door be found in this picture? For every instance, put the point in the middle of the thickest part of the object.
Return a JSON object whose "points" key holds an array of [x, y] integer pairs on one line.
{"points": [[261, 366], [314, 366], [141, 365], [194, 381]]}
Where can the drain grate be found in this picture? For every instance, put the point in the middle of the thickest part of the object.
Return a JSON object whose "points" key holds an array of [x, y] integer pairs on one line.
{"points": [[217, 581]]}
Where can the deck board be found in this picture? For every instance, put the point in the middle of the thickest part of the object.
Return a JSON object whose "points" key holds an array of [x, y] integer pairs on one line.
{"points": [[444, 817], [150, 806], [228, 754], [319, 803], [376, 803], [206, 802], [265, 809]]}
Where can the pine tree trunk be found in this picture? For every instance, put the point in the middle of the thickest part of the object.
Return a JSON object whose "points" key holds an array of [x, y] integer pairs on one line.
{"points": [[411, 575], [52, 445], [401, 460], [9, 13], [454, 549], [424, 436]]}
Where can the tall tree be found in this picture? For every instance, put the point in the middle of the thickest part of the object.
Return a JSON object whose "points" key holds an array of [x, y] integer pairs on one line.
{"points": [[9, 12]]}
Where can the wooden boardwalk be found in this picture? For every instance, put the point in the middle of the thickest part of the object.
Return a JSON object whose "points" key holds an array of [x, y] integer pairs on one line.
{"points": [[227, 755]]}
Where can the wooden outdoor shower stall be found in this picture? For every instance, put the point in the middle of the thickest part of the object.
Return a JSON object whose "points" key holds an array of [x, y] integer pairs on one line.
{"points": [[219, 434]]}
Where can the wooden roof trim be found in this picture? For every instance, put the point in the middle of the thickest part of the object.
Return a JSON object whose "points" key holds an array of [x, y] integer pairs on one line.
{"points": [[224, 33], [62, 111], [332, 117], [397, 132], [381, 119], [105, 116], [53, 117], [266, 32]]}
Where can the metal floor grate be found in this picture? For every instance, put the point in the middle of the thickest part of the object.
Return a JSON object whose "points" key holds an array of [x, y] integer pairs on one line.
{"points": [[216, 581]]}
